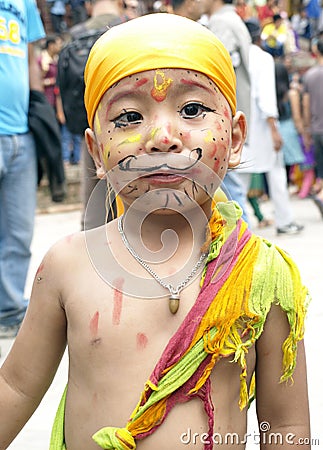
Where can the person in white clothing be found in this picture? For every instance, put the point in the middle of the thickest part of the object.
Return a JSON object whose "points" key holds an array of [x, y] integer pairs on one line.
{"points": [[228, 26], [263, 152]]}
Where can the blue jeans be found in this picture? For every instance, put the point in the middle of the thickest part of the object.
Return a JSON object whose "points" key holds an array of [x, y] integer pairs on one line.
{"points": [[71, 145], [235, 190], [18, 189]]}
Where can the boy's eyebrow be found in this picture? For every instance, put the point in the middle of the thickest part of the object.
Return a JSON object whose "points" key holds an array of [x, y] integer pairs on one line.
{"points": [[197, 84], [133, 90], [134, 93], [117, 97]]}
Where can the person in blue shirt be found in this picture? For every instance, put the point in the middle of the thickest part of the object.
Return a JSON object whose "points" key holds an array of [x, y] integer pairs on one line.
{"points": [[19, 72]]}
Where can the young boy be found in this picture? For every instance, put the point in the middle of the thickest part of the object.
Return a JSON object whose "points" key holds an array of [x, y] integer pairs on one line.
{"points": [[160, 96]]}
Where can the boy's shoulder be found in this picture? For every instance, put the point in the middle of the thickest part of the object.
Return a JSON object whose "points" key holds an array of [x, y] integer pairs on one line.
{"points": [[67, 250]]}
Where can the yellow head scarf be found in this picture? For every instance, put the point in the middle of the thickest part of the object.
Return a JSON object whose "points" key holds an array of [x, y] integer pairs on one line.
{"points": [[156, 41]]}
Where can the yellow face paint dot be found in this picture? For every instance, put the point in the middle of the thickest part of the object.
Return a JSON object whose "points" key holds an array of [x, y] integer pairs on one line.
{"points": [[132, 139], [161, 85], [209, 136]]}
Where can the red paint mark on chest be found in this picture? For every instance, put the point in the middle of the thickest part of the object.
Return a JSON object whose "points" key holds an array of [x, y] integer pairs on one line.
{"points": [[40, 269], [94, 324], [117, 301], [142, 341]]}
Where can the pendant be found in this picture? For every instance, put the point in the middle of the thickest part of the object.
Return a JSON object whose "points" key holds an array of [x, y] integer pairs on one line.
{"points": [[173, 303]]}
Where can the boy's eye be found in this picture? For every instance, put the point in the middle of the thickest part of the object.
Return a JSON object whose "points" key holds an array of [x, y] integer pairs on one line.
{"points": [[193, 110], [127, 118]]}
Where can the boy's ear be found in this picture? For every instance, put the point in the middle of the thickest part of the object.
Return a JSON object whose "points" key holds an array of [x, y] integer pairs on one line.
{"points": [[239, 133], [93, 149]]}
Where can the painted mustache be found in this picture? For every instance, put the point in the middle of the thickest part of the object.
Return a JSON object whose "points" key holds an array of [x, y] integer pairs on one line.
{"points": [[131, 163]]}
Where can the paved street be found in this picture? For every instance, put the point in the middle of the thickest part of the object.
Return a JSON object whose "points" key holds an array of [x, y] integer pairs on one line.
{"points": [[306, 249]]}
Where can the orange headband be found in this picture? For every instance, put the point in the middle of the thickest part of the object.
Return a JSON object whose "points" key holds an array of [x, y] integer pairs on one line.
{"points": [[156, 41]]}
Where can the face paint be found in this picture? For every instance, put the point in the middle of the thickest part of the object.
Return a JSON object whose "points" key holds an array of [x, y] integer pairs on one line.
{"points": [[39, 270], [117, 301], [190, 119], [131, 139], [197, 84], [94, 324], [141, 82], [209, 136], [106, 154], [159, 91], [97, 121], [142, 341], [153, 133], [227, 113]]}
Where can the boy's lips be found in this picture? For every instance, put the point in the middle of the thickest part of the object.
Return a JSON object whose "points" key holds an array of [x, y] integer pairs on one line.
{"points": [[164, 178]]}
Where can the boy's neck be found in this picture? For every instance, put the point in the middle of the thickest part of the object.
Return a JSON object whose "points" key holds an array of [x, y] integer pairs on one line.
{"points": [[187, 228]]}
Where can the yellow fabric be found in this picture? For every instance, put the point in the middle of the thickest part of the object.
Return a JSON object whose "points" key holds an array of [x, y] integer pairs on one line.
{"points": [[57, 439], [117, 438], [274, 35], [156, 41]]}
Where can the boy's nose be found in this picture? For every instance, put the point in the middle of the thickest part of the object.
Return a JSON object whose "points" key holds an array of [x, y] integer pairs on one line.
{"points": [[163, 139]]}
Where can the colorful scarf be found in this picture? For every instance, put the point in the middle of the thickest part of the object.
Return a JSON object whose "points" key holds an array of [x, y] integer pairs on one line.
{"points": [[244, 276]]}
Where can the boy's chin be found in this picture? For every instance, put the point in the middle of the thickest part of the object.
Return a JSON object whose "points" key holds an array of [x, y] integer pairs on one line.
{"points": [[166, 202]]}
